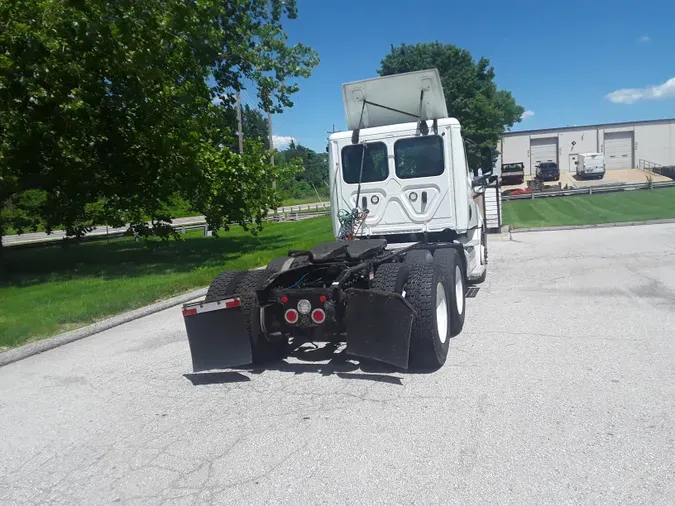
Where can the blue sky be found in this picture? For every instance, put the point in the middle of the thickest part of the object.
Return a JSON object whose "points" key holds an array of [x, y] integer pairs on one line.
{"points": [[561, 60]]}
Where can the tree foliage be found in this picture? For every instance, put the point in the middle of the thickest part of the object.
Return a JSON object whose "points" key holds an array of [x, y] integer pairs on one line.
{"points": [[311, 179], [470, 92], [107, 114]]}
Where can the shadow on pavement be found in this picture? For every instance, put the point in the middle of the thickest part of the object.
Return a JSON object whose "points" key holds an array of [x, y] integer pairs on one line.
{"points": [[325, 361], [216, 378]]}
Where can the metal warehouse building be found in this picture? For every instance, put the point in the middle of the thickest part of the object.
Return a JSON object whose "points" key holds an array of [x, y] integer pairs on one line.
{"points": [[625, 145]]}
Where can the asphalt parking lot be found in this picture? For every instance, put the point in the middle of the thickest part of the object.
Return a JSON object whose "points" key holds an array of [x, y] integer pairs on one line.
{"points": [[560, 390]]}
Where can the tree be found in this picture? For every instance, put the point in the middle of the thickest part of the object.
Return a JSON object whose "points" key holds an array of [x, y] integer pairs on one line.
{"points": [[106, 113], [470, 92], [311, 178]]}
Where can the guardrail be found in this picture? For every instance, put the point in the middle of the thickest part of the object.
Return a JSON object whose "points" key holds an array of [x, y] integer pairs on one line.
{"points": [[590, 190]]}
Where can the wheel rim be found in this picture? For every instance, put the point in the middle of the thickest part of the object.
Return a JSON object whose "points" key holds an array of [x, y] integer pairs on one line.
{"points": [[459, 290], [441, 312]]}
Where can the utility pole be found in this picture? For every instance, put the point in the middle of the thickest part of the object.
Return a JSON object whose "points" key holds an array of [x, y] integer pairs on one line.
{"points": [[240, 127]]}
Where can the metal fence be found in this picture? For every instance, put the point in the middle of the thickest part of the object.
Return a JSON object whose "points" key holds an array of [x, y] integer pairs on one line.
{"points": [[591, 190]]}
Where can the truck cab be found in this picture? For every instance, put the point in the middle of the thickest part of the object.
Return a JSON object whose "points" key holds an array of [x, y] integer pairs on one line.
{"points": [[409, 183], [408, 178]]}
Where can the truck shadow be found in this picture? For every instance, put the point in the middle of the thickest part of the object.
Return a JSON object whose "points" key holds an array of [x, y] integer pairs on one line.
{"points": [[325, 361]]}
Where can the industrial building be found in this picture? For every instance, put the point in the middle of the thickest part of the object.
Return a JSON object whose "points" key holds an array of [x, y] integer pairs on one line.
{"points": [[636, 144]]}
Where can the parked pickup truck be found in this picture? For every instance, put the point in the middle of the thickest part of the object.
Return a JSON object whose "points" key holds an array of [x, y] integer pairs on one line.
{"points": [[513, 173]]}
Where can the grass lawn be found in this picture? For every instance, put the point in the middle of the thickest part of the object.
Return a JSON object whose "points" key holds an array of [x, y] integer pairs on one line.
{"points": [[637, 205], [45, 291], [305, 200]]}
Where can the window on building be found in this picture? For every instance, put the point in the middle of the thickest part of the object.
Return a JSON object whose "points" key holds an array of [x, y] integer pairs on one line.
{"points": [[374, 156], [419, 157]]}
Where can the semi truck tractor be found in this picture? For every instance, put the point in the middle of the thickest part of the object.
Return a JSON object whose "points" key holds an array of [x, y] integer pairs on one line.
{"points": [[410, 238]]}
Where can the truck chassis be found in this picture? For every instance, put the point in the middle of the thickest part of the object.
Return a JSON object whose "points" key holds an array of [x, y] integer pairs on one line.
{"points": [[398, 306]]}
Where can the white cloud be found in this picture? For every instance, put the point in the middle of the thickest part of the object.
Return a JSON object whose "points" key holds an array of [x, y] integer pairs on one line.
{"points": [[645, 39], [630, 95], [527, 114], [282, 141]]}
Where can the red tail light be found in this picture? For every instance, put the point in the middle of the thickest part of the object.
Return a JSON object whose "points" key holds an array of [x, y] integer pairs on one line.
{"points": [[318, 316], [291, 316]]}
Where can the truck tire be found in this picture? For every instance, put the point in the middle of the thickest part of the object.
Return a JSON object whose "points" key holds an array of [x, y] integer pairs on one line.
{"points": [[428, 293], [223, 285], [391, 278], [263, 350], [417, 256], [455, 274]]}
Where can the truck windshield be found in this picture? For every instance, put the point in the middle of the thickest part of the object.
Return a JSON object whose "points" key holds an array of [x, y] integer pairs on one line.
{"points": [[374, 163], [419, 157]]}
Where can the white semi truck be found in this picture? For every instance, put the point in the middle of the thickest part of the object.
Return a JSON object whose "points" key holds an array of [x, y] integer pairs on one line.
{"points": [[410, 236]]}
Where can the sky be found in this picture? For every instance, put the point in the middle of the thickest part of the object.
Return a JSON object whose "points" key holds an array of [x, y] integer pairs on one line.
{"points": [[567, 63]]}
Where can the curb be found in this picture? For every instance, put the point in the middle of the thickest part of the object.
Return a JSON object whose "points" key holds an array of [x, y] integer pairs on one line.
{"points": [[49, 343], [599, 225], [34, 348]]}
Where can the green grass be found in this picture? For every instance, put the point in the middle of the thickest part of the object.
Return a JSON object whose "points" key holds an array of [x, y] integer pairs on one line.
{"points": [[50, 290], [637, 205]]}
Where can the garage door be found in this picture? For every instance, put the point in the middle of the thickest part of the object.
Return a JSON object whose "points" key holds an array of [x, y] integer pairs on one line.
{"points": [[543, 150], [619, 150]]}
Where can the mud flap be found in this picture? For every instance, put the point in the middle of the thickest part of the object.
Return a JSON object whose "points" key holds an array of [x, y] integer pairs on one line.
{"points": [[378, 326], [217, 334]]}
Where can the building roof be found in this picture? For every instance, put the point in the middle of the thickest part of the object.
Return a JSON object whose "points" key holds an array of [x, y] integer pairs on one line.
{"points": [[599, 125]]}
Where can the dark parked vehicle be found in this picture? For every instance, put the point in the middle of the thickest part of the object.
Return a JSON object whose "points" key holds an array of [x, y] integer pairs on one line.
{"points": [[548, 171], [513, 173]]}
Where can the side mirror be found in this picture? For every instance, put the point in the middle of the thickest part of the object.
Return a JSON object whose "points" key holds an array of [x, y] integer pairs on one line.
{"points": [[486, 161]]}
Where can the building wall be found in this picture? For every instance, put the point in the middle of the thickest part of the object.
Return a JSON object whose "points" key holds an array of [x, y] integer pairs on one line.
{"points": [[655, 143], [652, 141]]}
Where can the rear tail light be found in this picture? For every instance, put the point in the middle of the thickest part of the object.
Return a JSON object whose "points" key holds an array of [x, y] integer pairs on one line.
{"points": [[291, 316], [318, 316]]}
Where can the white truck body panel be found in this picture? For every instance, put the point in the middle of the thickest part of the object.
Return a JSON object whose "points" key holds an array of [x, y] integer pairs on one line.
{"points": [[590, 164]]}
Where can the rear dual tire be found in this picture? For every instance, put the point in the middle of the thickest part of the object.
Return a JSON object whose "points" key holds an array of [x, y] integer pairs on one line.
{"points": [[244, 284], [223, 285], [435, 289], [262, 349]]}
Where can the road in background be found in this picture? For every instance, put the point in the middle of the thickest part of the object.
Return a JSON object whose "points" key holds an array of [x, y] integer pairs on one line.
{"points": [[559, 391], [56, 235]]}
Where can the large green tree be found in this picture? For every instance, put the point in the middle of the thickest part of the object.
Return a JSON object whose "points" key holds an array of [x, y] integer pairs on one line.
{"points": [[108, 110], [471, 94]]}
